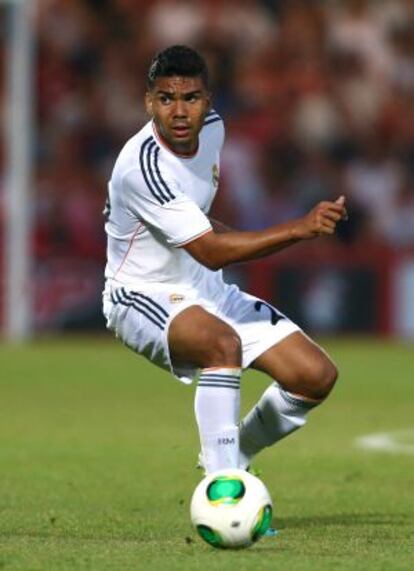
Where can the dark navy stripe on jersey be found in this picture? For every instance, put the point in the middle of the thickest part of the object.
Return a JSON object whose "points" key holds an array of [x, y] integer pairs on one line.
{"points": [[149, 300], [122, 298], [160, 177], [148, 303], [211, 112], [212, 120], [220, 386], [155, 184], [148, 158], [211, 117], [141, 162]]}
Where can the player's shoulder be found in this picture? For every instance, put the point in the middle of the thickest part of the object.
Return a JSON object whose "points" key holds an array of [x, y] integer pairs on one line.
{"points": [[130, 152], [213, 122], [213, 127], [131, 157], [212, 117], [141, 168]]}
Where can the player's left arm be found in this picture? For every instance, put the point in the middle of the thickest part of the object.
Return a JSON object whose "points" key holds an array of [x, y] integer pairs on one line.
{"points": [[216, 251]]}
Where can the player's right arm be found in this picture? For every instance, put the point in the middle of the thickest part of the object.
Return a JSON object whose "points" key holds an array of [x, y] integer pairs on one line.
{"points": [[217, 250]]}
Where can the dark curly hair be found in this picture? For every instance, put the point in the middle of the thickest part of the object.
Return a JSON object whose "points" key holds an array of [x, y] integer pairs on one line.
{"points": [[177, 60]]}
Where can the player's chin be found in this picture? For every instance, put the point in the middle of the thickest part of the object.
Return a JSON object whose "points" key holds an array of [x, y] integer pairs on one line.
{"points": [[183, 143]]}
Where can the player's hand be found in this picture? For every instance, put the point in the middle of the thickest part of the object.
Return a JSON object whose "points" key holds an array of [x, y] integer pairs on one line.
{"points": [[322, 219]]}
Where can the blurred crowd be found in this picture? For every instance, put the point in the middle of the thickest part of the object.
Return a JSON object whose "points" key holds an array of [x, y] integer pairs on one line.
{"points": [[317, 97]]}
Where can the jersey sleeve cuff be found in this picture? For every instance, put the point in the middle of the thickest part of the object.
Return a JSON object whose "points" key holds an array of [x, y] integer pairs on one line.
{"points": [[192, 238]]}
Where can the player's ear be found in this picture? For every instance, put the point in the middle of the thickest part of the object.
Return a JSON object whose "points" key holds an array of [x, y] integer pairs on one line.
{"points": [[148, 103]]}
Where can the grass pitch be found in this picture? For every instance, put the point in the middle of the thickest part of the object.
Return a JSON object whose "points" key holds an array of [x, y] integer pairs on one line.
{"points": [[97, 455]]}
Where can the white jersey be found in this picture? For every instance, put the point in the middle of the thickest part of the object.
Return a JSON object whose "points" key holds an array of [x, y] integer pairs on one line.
{"points": [[157, 202]]}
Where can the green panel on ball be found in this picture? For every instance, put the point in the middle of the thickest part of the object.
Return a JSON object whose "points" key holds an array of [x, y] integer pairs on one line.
{"points": [[264, 519], [210, 536], [225, 490]]}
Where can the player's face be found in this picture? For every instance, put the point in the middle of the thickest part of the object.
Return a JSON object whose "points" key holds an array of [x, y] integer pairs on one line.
{"points": [[178, 106]]}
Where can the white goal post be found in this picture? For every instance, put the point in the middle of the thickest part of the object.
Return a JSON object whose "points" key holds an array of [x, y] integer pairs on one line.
{"points": [[18, 139]]}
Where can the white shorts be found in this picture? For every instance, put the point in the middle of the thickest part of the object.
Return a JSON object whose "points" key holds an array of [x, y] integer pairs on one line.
{"points": [[140, 319]]}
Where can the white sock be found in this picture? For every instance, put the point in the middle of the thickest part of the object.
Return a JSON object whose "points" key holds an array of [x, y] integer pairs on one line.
{"points": [[277, 414], [217, 410]]}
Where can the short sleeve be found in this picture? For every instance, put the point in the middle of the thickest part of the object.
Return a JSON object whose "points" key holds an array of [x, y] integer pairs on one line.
{"points": [[162, 206]]}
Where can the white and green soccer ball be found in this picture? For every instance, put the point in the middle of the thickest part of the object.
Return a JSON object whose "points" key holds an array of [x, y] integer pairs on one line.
{"points": [[231, 509]]}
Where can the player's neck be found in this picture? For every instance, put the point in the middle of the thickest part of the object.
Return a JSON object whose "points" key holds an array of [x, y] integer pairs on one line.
{"points": [[182, 152]]}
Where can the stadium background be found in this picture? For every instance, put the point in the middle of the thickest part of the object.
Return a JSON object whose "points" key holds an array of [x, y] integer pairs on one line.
{"points": [[97, 446], [317, 99]]}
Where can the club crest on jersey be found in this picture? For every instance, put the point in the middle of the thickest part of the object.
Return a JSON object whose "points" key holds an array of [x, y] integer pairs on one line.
{"points": [[176, 297], [215, 175]]}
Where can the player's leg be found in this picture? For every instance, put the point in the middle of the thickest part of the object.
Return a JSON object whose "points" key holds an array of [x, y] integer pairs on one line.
{"points": [[305, 376], [300, 365], [199, 338]]}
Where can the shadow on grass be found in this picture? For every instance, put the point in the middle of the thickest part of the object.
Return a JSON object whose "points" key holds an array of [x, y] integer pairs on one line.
{"points": [[349, 519]]}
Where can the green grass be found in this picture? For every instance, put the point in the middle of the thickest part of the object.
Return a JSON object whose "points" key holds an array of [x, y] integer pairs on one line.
{"points": [[97, 455]]}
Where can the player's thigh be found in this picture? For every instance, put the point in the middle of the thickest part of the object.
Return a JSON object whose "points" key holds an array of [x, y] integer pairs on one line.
{"points": [[258, 324], [200, 338], [299, 365]]}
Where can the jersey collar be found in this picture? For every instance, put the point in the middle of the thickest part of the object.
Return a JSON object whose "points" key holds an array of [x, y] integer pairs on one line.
{"points": [[164, 146]]}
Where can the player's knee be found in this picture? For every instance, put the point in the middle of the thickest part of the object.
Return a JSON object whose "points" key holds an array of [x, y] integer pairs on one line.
{"points": [[224, 349], [321, 379]]}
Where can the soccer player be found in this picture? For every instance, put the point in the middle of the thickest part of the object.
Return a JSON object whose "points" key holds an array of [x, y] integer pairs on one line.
{"points": [[165, 297]]}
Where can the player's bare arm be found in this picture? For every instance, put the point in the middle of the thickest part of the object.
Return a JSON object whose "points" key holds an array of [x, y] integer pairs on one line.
{"points": [[220, 227], [218, 248]]}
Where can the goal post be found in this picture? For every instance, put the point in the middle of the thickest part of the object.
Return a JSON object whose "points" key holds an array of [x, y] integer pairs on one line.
{"points": [[18, 192]]}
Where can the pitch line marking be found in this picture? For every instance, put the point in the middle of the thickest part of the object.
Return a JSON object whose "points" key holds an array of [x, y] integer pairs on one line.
{"points": [[395, 442]]}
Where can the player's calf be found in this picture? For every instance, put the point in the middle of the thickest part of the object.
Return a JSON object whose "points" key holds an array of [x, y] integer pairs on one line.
{"points": [[305, 376]]}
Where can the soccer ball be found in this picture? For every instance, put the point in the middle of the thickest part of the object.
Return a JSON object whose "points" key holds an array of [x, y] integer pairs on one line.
{"points": [[231, 509]]}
